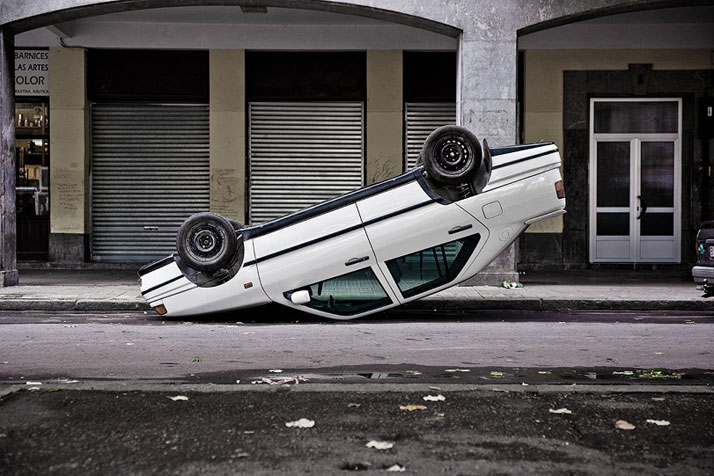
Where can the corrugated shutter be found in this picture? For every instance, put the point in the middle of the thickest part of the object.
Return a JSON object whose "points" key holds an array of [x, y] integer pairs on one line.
{"points": [[420, 119], [302, 154], [150, 171]]}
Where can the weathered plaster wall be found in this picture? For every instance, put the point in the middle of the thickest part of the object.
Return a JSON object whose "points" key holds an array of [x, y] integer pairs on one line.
{"points": [[69, 146], [227, 133], [543, 117], [384, 115]]}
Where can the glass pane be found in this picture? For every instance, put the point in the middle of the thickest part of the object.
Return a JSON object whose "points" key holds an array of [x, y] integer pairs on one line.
{"points": [[657, 176], [645, 117], [613, 224], [31, 119], [432, 267], [657, 224], [348, 294], [613, 174]]}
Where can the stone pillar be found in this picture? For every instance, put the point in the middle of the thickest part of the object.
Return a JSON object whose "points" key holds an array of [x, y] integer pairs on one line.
{"points": [[69, 156], [385, 100], [8, 257], [486, 98], [227, 133]]}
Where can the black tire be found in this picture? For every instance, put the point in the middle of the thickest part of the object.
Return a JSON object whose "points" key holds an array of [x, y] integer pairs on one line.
{"points": [[451, 155], [206, 242], [235, 224]]}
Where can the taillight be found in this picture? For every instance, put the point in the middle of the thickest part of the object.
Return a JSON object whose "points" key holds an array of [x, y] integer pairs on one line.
{"points": [[161, 309], [559, 189]]}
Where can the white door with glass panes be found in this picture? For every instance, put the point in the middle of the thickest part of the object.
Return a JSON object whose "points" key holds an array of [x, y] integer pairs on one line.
{"points": [[635, 180]]}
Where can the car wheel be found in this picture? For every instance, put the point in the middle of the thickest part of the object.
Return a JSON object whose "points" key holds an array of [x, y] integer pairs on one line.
{"points": [[235, 224], [206, 241], [450, 155]]}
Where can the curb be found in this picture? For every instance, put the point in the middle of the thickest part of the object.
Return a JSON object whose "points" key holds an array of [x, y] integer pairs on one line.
{"points": [[427, 304]]}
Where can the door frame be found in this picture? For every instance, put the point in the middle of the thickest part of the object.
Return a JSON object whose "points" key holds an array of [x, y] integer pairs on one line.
{"points": [[635, 140]]}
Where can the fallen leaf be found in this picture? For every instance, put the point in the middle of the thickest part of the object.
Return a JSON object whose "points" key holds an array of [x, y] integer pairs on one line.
{"points": [[560, 411], [411, 408], [4, 362], [434, 398], [301, 423], [624, 372], [354, 405], [275, 371], [524, 384], [688, 321], [67, 381], [33, 383], [395, 468], [412, 372], [496, 374], [434, 388], [380, 445], [544, 372], [658, 399], [623, 425], [658, 422], [457, 370], [178, 398], [239, 454], [499, 390], [249, 432]]}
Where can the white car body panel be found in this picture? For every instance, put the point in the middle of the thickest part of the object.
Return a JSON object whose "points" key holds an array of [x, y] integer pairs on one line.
{"points": [[367, 228]]}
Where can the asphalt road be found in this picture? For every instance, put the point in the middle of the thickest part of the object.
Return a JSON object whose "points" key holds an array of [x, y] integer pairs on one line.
{"points": [[513, 393], [144, 347]]}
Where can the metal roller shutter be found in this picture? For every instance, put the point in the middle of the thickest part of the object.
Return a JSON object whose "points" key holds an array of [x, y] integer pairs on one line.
{"points": [[302, 154], [150, 171], [420, 119]]}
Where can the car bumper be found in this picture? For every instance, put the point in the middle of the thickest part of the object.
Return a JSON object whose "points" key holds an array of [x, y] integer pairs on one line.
{"points": [[703, 274]]}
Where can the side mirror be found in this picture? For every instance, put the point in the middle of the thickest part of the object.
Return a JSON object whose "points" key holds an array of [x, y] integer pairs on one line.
{"points": [[300, 297]]}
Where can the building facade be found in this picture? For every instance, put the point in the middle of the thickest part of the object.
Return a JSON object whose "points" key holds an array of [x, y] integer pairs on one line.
{"points": [[128, 117]]}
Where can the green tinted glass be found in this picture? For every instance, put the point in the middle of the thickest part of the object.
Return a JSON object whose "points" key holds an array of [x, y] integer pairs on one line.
{"points": [[349, 294], [430, 268]]}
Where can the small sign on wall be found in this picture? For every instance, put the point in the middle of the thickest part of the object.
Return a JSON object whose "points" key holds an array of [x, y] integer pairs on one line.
{"points": [[32, 73]]}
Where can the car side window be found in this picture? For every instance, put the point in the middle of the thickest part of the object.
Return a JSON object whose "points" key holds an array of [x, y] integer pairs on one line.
{"points": [[418, 272], [349, 294]]}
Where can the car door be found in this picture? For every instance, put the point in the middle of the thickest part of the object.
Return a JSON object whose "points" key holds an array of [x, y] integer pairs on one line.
{"points": [[421, 242], [330, 256]]}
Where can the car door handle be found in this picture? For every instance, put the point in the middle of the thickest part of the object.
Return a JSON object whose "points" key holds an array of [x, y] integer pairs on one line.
{"points": [[457, 229], [356, 260]]}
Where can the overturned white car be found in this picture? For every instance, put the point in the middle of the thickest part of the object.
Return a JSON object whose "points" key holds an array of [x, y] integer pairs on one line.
{"points": [[383, 245]]}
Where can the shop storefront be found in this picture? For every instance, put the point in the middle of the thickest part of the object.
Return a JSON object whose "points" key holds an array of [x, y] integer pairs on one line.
{"points": [[32, 153]]}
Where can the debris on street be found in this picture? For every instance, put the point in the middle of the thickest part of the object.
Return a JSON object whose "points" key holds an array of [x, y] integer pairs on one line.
{"points": [[624, 425], [179, 398], [658, 422], [561, 411], [434, 398], [395, 468], [380, 445], [411, 408], [301, 423]]}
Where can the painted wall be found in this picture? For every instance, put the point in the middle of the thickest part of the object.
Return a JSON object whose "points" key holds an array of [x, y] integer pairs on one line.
{"points": [[227, 133], [69, 142], [543, 95], [384, 115]]}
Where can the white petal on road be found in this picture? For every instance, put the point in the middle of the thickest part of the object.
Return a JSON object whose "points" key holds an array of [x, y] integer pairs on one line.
{"points": [[624, 425], [561, 411], [457, 370], [434, 398], [179, 398], [275, 371], [658, 422], [380, 445], [624, 372], [301, 423], [395, 468], [496, 374], [33, 383]]}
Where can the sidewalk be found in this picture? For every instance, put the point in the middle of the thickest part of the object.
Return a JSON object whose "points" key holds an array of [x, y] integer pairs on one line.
{"points": [[107, 290]]}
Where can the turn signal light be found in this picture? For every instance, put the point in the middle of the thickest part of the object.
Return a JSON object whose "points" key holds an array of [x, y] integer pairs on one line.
{"points": [[161, 309], [559, 189]]}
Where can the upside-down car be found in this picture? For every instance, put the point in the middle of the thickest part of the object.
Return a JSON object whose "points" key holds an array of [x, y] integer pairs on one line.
{"points": [[378, 247]]}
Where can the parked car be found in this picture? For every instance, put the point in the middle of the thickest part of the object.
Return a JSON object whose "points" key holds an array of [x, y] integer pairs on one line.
{"points": [[378, 247], [703, 270]]}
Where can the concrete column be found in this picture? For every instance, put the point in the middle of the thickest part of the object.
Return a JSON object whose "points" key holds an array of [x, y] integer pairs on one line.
{"points": [[8, 256], [69, 155], [486, 96], [227, 133], [385, 101]]}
